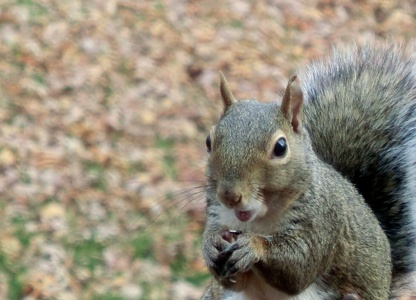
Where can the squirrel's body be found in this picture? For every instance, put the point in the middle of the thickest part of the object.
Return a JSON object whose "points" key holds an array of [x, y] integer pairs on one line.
{"points": [[304, 232], [360, 109]]}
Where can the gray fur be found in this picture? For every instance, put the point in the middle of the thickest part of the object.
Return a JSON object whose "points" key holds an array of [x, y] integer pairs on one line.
{"points": [[361, 114]]}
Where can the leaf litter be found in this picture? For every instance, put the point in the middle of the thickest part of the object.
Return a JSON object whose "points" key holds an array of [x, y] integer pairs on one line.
{"points": [[105, 106]]}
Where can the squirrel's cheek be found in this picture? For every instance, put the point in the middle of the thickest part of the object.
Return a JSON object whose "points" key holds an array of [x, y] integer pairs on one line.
{"points": [[258, 208], [263, 209]]}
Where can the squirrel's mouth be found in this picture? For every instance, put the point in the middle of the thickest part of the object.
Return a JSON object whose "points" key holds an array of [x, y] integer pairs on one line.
{"points": [[243, 215]]}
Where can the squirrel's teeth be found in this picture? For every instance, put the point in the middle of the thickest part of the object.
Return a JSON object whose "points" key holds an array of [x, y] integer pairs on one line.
{"points": [[244, 215]]}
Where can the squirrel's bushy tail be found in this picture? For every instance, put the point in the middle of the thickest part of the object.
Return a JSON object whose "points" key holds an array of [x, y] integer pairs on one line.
{"points": [[361, 114]]}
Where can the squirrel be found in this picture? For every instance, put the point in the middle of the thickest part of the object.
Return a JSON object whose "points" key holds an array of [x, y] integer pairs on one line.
{"points": [[360, 114], [281, 223]]}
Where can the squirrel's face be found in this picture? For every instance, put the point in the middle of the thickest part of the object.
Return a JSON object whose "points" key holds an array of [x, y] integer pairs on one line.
{"points": [[255, 160]]}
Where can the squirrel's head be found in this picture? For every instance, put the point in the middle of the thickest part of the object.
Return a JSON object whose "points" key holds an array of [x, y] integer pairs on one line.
{"points": [[257, 161]]}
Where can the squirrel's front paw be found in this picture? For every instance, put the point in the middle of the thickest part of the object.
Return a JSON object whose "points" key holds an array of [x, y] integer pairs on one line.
{"points": [[213, 245], [243, 254]]}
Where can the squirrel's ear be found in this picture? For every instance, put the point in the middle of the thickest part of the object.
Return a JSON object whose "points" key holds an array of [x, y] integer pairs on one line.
{"points": [[227, 96], [292, 104]]}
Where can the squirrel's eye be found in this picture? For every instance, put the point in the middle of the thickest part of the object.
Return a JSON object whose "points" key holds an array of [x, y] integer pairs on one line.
{"points": [[280, 147], [208, 143]]}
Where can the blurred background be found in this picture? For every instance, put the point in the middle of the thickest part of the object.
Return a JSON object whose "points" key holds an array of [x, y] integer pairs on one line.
{"points": [[104, 111]]}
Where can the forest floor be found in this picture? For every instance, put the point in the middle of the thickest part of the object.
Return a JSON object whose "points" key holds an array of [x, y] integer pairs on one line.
{"points": [[104, 111]]}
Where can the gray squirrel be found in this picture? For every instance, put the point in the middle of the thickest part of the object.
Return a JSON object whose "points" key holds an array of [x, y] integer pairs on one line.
{"points": [[353, 115]]}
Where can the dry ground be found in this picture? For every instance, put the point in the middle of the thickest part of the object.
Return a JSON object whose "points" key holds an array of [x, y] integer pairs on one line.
{"points": [[104, 109]]}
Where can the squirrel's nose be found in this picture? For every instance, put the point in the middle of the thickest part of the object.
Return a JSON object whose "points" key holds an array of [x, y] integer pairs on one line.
{"points": [[229, 197]]}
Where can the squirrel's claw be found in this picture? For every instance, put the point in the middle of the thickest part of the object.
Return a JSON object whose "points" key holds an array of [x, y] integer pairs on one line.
{"points": [[241, 257]]}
